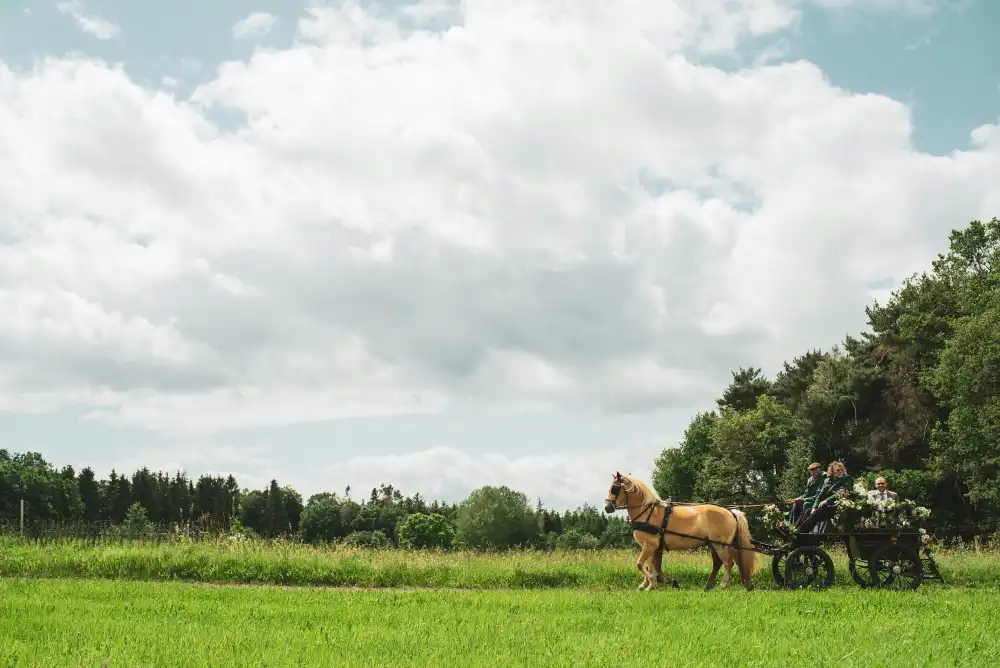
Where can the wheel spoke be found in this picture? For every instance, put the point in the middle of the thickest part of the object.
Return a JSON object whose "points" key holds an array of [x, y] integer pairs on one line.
{"points": [[809, 567], [896, 567]]}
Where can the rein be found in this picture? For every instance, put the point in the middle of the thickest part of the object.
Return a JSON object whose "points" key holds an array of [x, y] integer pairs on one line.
{"points": [[649, 505], [739, 505]]}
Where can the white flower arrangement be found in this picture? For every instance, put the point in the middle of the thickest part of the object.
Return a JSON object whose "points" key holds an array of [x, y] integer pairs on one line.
{"points": [[775, 519], [855, 512], [863, 513]]}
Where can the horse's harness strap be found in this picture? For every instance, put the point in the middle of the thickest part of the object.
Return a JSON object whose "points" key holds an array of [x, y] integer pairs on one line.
{"points": [[646, 527], [668, 507]]}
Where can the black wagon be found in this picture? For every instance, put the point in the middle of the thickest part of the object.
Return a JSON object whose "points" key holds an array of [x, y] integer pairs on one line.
{"points": [[877, 559]]}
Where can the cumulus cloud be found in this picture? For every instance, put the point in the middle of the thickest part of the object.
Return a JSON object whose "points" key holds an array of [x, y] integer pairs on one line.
{"points": [[527, 203], [254, 25], [91, 24], [560, 479]]}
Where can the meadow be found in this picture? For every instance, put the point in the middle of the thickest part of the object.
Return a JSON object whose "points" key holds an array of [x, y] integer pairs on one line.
{"points": [[102, 623], [194, 604], [291, 563]]}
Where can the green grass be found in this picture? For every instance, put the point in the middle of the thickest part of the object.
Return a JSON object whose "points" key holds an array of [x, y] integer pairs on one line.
{"points": [[59, 607], [295, 564], [97, 623]]}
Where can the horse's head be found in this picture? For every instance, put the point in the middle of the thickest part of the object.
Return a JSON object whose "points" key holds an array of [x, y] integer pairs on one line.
{"points": [[616, 497]]}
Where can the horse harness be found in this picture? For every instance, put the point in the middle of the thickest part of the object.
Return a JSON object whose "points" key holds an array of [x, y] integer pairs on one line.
{"points": [[668, 507], [646, 527]]}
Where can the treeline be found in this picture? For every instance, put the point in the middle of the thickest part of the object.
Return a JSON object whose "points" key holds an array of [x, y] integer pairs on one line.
{"points": [[915, 398], [62, 500]]}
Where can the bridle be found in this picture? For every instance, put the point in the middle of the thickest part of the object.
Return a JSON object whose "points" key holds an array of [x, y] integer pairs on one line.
{"points": [[615, 491]]}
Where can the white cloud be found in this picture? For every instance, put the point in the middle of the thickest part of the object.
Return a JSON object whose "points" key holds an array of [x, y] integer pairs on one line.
{"points": [[562, 480], [547, 204], [91, 24], [254, 25]]}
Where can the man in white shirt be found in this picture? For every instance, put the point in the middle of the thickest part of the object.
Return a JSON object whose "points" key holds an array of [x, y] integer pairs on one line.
{"points": [[881, 493]]}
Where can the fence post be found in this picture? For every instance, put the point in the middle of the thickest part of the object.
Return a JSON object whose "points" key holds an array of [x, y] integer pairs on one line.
{"points": [[22, 518]]}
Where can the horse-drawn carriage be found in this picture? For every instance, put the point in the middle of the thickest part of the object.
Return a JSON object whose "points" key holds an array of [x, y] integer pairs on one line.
{"points": [[883, 551]]}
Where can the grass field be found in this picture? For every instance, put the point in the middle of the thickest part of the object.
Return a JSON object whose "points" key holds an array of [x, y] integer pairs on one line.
{"points": [[296, 564], [67, 603], [96, 623]]}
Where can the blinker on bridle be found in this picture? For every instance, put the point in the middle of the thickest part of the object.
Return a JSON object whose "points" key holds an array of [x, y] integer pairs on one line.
{"points": [[616, 488]]}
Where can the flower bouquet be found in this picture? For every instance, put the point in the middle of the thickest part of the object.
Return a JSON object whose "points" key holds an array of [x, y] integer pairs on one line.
{"points": [[775, 521]]}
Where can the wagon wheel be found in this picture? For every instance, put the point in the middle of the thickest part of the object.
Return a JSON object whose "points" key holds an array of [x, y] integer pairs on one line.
{"points": [[860, 572], [778, 568], [895, 567], [809, 567]]}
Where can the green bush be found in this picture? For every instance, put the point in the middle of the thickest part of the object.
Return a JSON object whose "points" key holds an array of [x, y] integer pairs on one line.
{"points": [[136, 525], [422, 531], [369, 539], [576, 540]]}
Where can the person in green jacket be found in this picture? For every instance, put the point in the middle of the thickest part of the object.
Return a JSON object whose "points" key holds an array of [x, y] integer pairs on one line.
{"points": [[823, 505], [803, 505]]}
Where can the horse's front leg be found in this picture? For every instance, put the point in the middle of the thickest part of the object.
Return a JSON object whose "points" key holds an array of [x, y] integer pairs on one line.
{"points": [[661, 575], [648, 582], [658, 566]]}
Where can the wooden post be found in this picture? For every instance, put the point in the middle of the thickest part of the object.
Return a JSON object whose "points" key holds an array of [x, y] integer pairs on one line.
{"points": [[22, 518]]}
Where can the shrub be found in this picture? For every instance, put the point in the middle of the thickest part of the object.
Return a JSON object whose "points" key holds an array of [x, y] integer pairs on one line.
{"points": [[423, 531], [576, 540], [369, 539], [136, 525]]}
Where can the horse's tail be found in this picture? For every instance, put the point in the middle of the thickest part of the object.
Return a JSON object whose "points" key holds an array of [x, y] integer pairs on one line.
{"points": [[747, 558]]}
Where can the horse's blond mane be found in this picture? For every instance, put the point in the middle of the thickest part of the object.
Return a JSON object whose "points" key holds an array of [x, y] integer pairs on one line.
{"points": [[637, 486]]}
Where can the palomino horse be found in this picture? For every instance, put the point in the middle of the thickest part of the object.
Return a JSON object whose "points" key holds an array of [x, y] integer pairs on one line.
{"points": [[660, 525]]}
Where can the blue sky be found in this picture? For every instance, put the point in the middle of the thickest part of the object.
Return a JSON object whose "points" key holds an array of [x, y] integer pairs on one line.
{"points": [[945, 66]]}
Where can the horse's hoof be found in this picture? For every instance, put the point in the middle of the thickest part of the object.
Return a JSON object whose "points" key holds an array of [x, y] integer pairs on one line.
{"points": [[674, 584]]}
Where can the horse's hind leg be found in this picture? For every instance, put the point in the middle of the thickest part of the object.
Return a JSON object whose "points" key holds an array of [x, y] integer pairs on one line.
{"points": [[744, 577], [727, 562], [716, 565]]}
